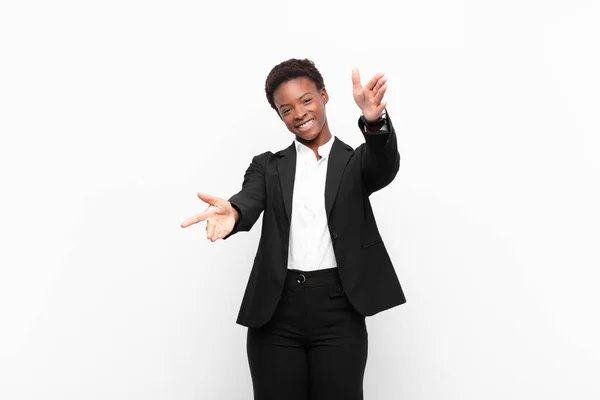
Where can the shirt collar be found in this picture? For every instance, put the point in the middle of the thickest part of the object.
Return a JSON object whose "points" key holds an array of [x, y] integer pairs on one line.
{"points": [[323, 150]]}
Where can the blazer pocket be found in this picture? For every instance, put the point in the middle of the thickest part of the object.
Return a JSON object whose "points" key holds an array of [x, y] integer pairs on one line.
{"points": [[377, 241]]}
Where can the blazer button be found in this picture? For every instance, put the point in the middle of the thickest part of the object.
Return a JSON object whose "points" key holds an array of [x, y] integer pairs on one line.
{"points": [[334, 236]]}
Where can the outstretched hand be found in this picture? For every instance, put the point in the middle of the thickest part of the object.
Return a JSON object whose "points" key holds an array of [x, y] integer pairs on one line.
{"points": [[369, 97], [220, 217]]}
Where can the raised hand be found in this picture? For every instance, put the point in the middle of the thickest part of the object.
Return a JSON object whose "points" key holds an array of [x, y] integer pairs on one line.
{"points": [[220, 217], [369, 97]]}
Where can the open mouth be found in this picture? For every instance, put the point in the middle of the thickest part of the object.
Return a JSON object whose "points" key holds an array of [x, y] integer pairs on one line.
{"points": [[305, 125]]}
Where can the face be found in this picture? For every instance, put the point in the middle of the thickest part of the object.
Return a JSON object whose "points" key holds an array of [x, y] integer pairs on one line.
{"points": [[301, 107]]}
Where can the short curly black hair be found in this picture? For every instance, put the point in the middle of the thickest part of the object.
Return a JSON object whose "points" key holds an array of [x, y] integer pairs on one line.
{"points": [[290, 69]]}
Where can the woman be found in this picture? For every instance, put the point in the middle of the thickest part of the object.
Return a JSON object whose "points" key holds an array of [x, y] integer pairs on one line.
{"points": [[321, 265]]}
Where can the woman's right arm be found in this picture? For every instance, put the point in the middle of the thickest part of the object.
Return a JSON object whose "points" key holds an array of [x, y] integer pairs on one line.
{"points": [[251, 200], [239, 213]]}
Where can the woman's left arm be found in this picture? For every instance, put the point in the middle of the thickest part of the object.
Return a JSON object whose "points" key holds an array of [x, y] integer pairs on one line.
{"points": [[380, 160]]}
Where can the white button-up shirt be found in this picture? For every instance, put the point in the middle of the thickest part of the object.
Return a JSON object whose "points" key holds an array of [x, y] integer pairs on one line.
{"points": [[310, 246]]}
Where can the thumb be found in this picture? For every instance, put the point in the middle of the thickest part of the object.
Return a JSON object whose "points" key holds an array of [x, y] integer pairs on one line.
{"points": [[356, 79], [207, 198]]}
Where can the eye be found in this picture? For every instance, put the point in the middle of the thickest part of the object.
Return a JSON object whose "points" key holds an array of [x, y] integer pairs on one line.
{"points": [[283, 112], [307, 100]]}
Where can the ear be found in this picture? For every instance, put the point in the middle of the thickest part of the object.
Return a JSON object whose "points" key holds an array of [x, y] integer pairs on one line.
{"points": [[324, 96]]}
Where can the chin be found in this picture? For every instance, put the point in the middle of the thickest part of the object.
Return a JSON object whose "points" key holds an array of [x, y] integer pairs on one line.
{"points": [[308, 137]]}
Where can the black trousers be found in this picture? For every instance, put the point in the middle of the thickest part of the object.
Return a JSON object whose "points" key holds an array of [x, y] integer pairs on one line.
{"points": [[315, 345]]}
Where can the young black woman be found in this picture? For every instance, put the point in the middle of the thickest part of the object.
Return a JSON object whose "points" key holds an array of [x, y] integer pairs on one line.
{"points": [[321, 265]]}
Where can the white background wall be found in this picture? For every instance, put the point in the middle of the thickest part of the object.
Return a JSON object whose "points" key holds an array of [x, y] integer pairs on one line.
{"points": [[114, 114]]}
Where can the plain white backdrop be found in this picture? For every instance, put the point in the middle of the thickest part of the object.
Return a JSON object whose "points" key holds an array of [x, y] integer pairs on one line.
{"points": [[114, 114]]}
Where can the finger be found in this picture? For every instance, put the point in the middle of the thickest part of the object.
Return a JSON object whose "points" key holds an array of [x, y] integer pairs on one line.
{"points": [[207, 198], [381, 107], [194, 219], [356, 79], [379, 96], [371, 84], [380, 83], [210, 229], [214, 232]]}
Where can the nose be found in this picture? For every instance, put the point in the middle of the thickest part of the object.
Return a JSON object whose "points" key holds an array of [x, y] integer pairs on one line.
{"points": [[299, 113]]}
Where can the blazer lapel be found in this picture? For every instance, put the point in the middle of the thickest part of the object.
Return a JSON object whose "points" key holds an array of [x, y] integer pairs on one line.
{"points": [[338, 159], [286, 167]]}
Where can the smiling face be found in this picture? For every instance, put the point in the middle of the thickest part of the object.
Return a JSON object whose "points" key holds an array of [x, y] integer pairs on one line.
{"points": [[301, 107]]}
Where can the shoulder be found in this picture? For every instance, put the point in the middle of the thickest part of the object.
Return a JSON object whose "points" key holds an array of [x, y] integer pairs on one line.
{"points": [[267, 155], [265, 159], [341, 144]]}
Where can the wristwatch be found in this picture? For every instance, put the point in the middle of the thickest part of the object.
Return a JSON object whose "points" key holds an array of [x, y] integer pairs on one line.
{"points": [[378, 123]]}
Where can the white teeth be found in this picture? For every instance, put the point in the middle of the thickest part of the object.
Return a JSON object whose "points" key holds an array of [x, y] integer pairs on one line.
{"points": [[307, 123]]}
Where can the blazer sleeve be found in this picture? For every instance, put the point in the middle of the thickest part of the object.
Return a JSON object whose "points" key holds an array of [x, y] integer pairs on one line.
{"points": [[250, 201], [380, 160]]}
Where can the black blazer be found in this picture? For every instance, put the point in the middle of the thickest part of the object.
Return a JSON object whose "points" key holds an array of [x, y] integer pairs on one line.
{"points": [[365, 269]]}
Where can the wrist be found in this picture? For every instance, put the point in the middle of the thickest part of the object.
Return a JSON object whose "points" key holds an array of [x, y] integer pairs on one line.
{"points": [[234, 212], [378, 121]]}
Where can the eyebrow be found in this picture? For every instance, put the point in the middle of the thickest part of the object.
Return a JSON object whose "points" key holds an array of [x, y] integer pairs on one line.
{"points": [[280, 106]]}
